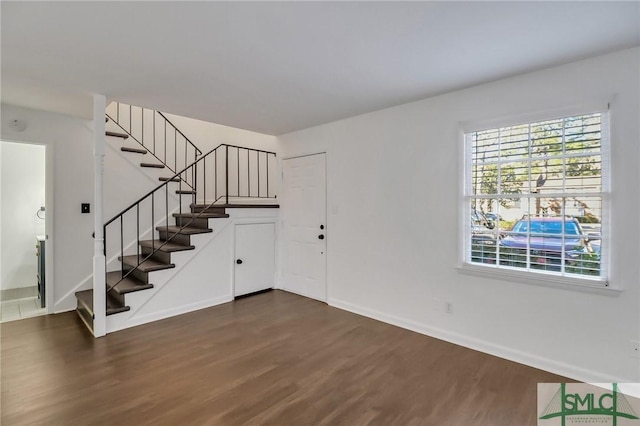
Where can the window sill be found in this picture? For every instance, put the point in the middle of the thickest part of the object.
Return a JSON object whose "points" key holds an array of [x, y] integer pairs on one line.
{"points": [[597, 286]]}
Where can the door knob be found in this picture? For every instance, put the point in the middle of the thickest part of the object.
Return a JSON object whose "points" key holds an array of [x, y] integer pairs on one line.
{"points": [[239, 261], [321, 237]]}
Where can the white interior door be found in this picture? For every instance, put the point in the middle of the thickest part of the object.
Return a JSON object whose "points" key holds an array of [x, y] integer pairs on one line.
{"points": [[304, 216], [255, 257]]}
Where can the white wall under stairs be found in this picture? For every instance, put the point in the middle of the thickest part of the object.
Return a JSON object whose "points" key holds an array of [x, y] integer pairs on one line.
{"points": [[202, 277]]}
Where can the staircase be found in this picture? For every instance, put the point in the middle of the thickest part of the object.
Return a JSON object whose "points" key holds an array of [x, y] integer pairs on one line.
{"points": [[144, 235]]}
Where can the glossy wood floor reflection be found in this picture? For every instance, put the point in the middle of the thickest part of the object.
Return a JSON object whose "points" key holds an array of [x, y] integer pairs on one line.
{"points": [[275, 358]]}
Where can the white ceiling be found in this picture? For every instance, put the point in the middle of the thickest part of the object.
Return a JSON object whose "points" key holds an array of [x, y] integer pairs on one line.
{"points": [[276, 67]]}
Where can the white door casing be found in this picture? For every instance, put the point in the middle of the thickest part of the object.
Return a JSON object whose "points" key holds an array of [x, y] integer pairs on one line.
{"points": [[304, 226], [254, 257]]}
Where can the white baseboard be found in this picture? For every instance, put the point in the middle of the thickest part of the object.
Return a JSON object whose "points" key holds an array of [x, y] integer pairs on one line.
{"points": [[510, 354], [299, 293], [167, 313]]}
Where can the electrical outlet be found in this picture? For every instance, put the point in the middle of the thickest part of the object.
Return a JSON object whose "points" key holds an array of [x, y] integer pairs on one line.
{"points": [[448, 307], [634, 348]]}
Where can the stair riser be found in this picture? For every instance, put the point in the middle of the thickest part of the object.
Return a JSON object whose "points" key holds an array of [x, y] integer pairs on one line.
{"points": [[86, 317], [142, 276], [200, 209], [175, 238], [159, 255], [144, 252], [117, 298], [192, 223]]}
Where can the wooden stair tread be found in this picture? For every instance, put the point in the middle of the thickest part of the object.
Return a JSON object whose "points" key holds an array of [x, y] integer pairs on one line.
{"points": [[164, 246], [117, 134], [164, 179], [183, 230], [201, 215], [111, 309], [148, 265], [127, 285], [236, 206], [152, 165], [134, 150], [85, 298], [190, 192]]}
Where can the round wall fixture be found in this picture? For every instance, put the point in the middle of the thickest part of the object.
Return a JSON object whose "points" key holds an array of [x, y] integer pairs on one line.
{"points": [[17, 125]]}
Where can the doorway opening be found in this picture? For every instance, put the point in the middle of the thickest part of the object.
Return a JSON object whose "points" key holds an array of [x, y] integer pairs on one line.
{"points": [[22, 230]]}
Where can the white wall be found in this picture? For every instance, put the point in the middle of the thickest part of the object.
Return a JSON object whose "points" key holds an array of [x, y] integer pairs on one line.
{"points": [[22, 191], [393, 180], [207, 135], [69, 183], [0, 218]]}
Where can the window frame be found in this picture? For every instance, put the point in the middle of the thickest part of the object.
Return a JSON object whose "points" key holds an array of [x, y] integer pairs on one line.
{"points": [[598, 284]]}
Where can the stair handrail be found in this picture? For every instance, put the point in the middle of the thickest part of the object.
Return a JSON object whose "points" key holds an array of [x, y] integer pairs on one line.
{"points": [[188, 143], [179, 131], [139, 200], [194, 171], [182, 171]]}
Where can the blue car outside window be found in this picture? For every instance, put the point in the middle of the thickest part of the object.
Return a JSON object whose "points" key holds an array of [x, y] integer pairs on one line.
{"points": [[537, 227]]}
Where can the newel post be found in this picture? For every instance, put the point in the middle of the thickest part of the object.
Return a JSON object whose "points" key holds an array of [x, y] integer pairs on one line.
{"points": [[99, 265]]}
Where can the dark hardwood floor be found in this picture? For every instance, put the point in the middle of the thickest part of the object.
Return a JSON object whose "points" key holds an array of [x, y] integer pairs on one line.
{"points": [[274, 358]]}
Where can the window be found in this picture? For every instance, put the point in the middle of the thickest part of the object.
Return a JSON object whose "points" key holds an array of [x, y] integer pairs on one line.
{"points": [[535, 194]]}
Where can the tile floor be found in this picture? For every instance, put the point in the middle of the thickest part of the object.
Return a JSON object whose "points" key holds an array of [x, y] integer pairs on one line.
{"points": [[11, 310], [18, 293]]}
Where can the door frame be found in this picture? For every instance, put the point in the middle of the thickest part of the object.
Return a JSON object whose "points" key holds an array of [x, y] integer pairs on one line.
{"points": [[49, 161], [279, 270]]}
